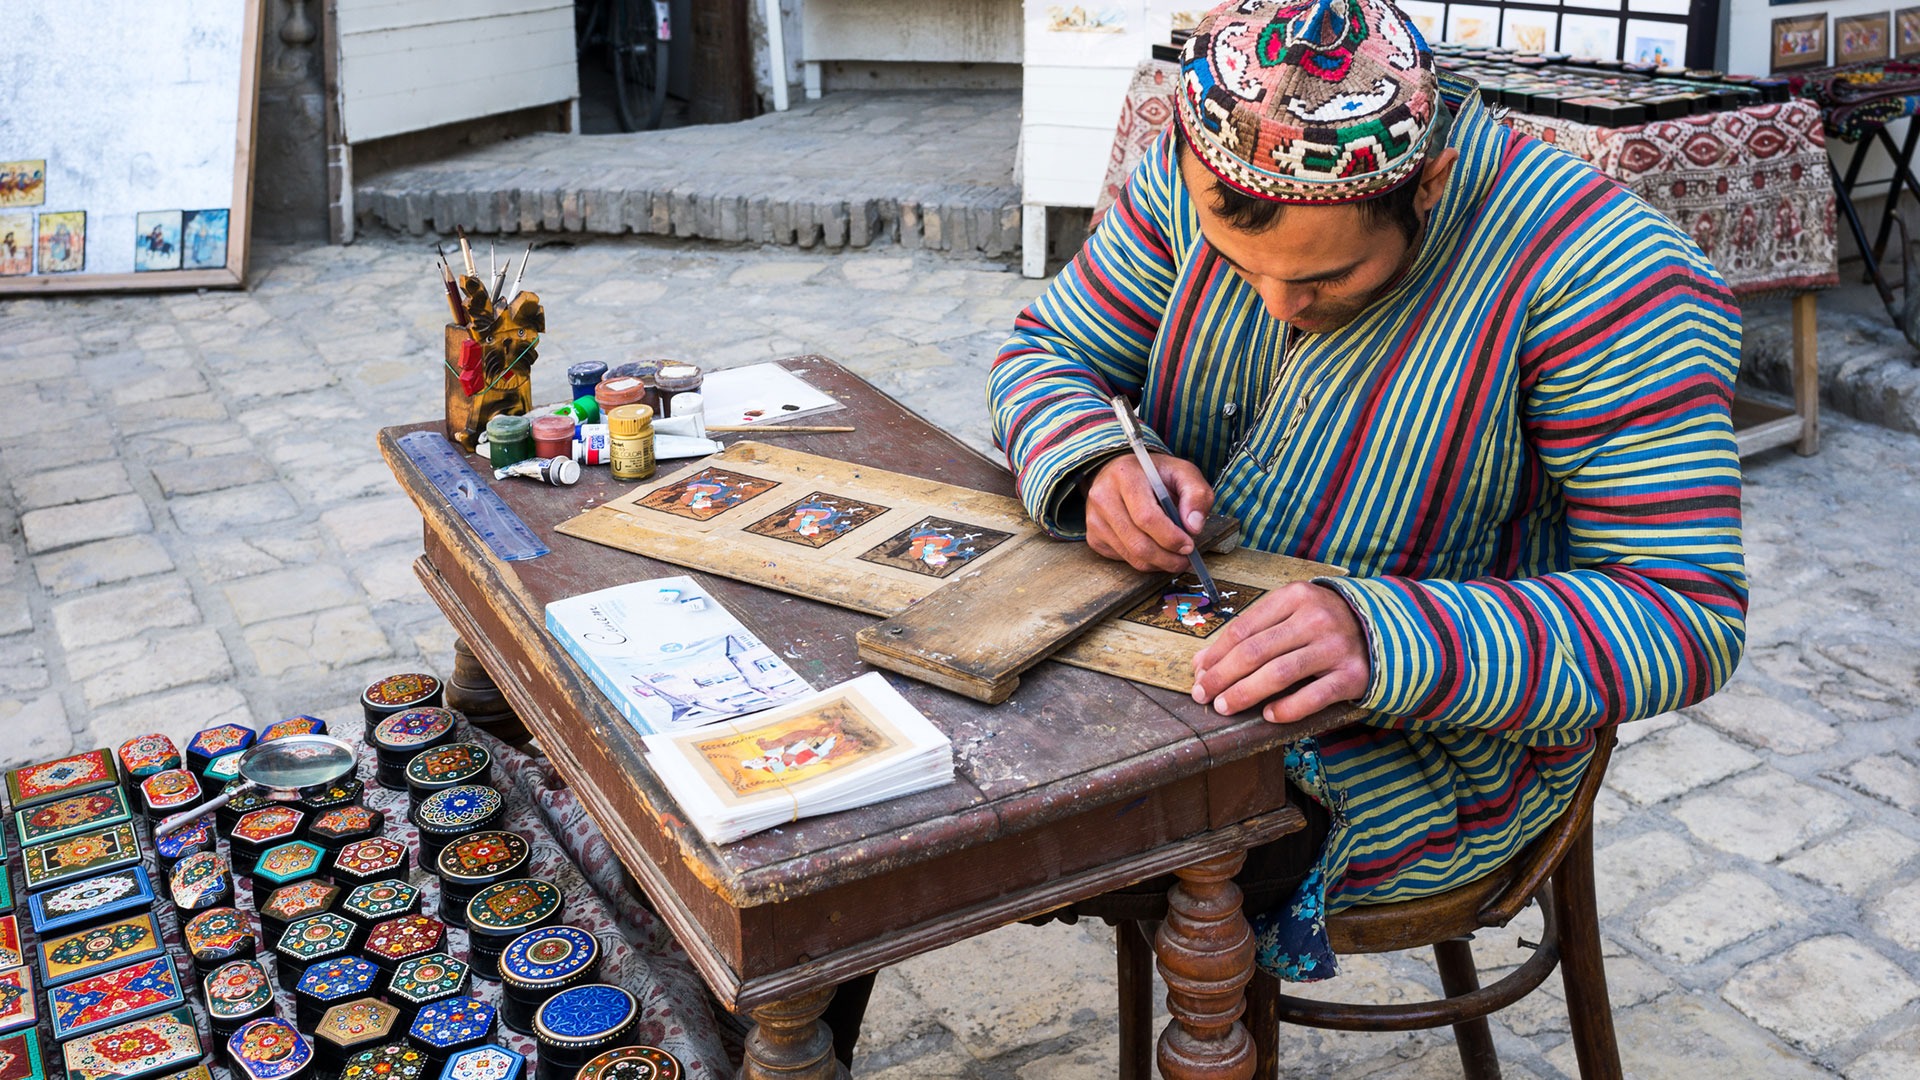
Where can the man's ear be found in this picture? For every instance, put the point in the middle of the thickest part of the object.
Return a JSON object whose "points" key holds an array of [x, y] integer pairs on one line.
{"points": [[1433, 180]]}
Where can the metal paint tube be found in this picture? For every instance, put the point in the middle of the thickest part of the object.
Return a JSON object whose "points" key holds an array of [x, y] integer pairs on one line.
{"points": [[594, 446], [558, 471]]}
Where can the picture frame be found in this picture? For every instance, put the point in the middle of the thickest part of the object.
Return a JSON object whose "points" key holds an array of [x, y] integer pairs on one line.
{"points": [[1528, 30], [1476, 25], [1906, 33], [1662, 44], [1590, 35], [1858, 39], [1429, 17], [1798, 41]]}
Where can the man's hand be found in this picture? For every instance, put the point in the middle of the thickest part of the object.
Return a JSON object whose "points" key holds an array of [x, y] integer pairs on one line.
{"points": [[1300, 646], [1125, 522]]}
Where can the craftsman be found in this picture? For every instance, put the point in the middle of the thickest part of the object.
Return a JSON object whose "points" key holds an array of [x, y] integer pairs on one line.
{"points": [[1388, 333]]}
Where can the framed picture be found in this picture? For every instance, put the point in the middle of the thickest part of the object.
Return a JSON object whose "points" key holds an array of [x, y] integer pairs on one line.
{"points": [[63, 242], [1473, 24], [1529, 31], [1431, 18], [1658, 7], [1597, 5], [1860, 38], [156, 241], [1662, 44], [1906, 33], [1799, 41], [1590, 35]]}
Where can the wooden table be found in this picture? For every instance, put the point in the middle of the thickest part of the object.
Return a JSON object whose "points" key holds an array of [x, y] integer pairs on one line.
{"points": [[1078, 784]]}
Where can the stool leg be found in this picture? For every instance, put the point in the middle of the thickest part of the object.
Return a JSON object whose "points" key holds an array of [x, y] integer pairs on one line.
{"points": [[1263, 1019], [846, 1012], [788, 1041], [1581, 969], [1136, 1000], [1205, 948], [1474, 1038]]}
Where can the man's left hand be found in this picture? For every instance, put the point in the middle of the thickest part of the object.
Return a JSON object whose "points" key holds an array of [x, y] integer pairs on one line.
{"points": [[1299, 646]]}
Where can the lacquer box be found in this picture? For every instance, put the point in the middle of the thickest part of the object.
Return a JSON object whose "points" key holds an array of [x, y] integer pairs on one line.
{"points": [[189, 839], [236, 993], [397, 693], [344, 792], [342, 825], [502, 912], [576, 1025], [70, 816], [97, 899], [392, 1061], [380, 901], [165, 1043], [100, 1001], [446, 1027], [217, 937], [11, 954], [31, 785], [216, 742], [473, 862], [394, 941], [293, 725], [144, 755], [315, 939], [258, 830], [424, 980], [81, 855], [169, 792], [484, 1063], [270, 1049], [19, 1005], [20, 1057], [365, 861], [200, 882], [447, 815], [447, 766], [97, 950], [326, 984], [397, 738], [633, 1063], [245, 800], [541, 963], [350, 1027], [288, 905], [287, 864]]}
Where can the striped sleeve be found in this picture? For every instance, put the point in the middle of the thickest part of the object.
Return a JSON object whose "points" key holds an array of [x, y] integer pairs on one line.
{"points": [[1086, 338], [1628, 362]]}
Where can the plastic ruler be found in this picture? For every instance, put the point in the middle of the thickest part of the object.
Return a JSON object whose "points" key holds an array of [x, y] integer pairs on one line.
{"points": [[471, 497]]}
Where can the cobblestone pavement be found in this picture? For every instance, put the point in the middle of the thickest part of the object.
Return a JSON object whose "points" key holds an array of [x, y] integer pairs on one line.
{"points": [[224, 543]]}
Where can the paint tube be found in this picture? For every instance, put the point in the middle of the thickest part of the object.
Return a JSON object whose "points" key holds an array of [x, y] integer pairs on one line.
{"points": [[594, 446], [558, 471]]}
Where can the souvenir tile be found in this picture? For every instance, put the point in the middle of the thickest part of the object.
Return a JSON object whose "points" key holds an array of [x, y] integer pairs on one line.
{"points": [[453, 1024], [92, 952], [294, 725], [379, 900], [89, 1004], [19, 1005], [215, 741], [394, 1061], [403, 937], [315, 938], [84, 855], [370, 860], [633, 1063], [222, 770], [412, 729], [189, 839], [427, 978], [200, 881], [164, 1043], [336, 828], [1183, 607], [513, 907], [706, 494], [237, 990], [62, 818], [403, 691], [94, 899], [340, 793], [549, 956], [354, 1024], [484, 1063], [935, 546], [445, 766], [20, 1057], [483, 855], [144, 755], [218, 935], [164, 792], [817, 520], [63, 242], [288, 863], [32, 785], [11, 954], [269, 1048], [464, 806]]}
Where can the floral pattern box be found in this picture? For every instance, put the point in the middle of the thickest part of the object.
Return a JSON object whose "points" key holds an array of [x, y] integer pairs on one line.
{"points": [[74, 814], [98, 950], [81, 856], [19, 1007], [157, 1045], [20, 1057], [90, 900], [32, 785], [83, 1007]]}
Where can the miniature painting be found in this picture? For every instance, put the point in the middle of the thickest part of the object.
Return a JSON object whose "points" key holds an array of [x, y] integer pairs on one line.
{"points": [[16, 244], [1799, 41], [1078, 20], [936, 546], [1529, 31], [156, 240], [203, 240], [1429, 17], [63, 242], [823, 739], [1184, 608], [1662, 44], [23, 183], [1473, 24], [817, 520], [1859, 39], [707, 494], [1906, 33], [1590, 35]]}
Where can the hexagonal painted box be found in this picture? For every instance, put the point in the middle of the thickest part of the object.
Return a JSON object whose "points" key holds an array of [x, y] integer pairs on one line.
{"points": [[336, 828], [312, 940], [366, 861], [339, 793], [379, 901], [222, 770], [214, 742], [293, 725], [445, 1027], [286, 864], [242, 799], [391, 1061], [424, 980], [391, 942], [484, 1063], [331, 982], [350, 1027], [257, 830], [169, 792], [291, 903]]}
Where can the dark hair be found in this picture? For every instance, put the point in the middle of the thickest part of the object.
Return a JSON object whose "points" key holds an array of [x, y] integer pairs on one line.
{"points": [[1252, 215]]}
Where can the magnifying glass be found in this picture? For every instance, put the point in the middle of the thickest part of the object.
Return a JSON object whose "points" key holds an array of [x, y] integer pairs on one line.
{"points": [[286, 768]]}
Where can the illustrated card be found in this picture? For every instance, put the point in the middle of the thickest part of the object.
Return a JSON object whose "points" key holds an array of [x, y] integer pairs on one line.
{"points": [[16, 244], [23, 183], [1906, 33], [203, 239], [707, 494], [156, 240], [1183, 607], [1799, 41], [1858, 39], [824, 739], [936, 546], [63, 242], [817, 520]]}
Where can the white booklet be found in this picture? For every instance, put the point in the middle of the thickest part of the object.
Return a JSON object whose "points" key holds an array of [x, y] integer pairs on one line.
{"points": [[669, 656], [850, 745]]}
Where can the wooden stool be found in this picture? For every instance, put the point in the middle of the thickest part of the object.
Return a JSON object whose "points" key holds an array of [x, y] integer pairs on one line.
{"points": [[1556, 868]]}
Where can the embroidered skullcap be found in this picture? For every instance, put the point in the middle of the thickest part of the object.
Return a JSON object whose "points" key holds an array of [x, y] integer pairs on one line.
{"points": [[1308, 101]]}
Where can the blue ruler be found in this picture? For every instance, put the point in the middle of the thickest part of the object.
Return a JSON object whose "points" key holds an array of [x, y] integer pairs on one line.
{"points": [[470, 496]]}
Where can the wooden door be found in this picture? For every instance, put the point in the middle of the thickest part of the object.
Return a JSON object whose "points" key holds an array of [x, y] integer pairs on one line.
{"points": [[722, 64]]}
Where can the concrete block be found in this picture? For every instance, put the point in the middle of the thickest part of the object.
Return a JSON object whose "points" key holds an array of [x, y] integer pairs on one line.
{"points": [[660, 213], [759, 229], [1856, 862], [1887, 777], [572, 217], [102, 563], [130, 669], [1674, 762], [295, 591], [36, 730], [551, 215], [1742, 816], [33, 490], [834, 225]]}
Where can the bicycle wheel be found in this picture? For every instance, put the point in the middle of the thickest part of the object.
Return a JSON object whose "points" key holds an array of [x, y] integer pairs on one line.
{"points": [[639, 66]]}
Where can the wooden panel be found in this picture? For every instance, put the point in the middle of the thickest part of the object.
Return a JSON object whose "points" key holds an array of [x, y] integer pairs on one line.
{"points": [[957, 31]]}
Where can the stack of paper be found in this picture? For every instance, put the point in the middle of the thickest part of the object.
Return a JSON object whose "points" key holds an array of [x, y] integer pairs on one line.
{"points": [[851, 745]]}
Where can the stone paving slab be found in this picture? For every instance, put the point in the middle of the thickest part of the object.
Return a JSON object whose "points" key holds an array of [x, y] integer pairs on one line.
{"points": [[235, 552]]}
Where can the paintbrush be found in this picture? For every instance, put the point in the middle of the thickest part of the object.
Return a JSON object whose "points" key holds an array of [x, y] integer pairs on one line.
{"points": [[453, 290], [522, 273], [1167, 506], [500, 278], [466, 250]]}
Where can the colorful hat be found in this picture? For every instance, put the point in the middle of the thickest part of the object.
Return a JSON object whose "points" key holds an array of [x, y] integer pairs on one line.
{"points": [[1308, 101]]}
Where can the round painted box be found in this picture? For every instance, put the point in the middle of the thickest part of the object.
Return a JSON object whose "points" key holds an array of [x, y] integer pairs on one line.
{"points": [[445, 815], [215, 742], [315, 939], [342, 825], [286, 906], [236, 993], [502, 912], [484, 1063], [270, 1049], [392, 942], [576, 1025], [199, 882], [381, 900], [288, 864], [257, 830], [293, 725], [397, 693], [346, 792], [424, 980], [391, 1061], [329, 983], [541, 963], [243, 799], [366, 861], [397, 738], [471, 863], [218, 937], [444, 767], [169, 792], [351, 1027], [192, 838], [144, 755], [447, 1027], [633, 1063]]}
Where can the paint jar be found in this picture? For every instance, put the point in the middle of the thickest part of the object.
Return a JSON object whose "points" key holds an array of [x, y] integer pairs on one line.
{"points": [[586, 410], [676, 378], [692, 407], [586, 375], [509, 439], [631, 427], [617, 390], [552, 436], [594, 446]]}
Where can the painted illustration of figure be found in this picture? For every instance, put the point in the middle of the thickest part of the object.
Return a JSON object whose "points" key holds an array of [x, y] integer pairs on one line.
{"points": [[706, 494], [1189, 609], [810, 747], [813, 519], [61, 246], [157, 242], [937, 547]]}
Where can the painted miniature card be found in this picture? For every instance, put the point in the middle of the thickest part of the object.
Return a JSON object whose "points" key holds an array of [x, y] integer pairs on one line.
{"points": [[817, 520], [1799, 41], [707, 494], [16, 244], [203, 240], [1858, 39], [23, 183], [1662, 44], [156, 240], [1473, 24], [1429, 17], [1906, 33], [1529, 31], [936, 546], [1184, 608], [63, 242], [1590, 35]]}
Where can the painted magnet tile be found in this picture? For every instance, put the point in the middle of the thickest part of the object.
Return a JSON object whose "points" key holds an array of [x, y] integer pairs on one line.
{"points": [[935, 546], [11, 955], [20, 1057], [31, 785], [1183, 607], [23, 183], [19, 1005], [148, 1047], [86, 953], [17, 232], [81, 856], [156, 240], [816, 520], [103, 897], [86, 1006], [63, 242], [62, 818], [707, 494]]}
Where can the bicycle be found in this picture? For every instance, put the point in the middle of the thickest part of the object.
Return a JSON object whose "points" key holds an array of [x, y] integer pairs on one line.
{"points": [[635, 34]]}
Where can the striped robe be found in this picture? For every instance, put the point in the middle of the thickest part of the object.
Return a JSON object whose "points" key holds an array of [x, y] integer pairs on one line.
{"points": [[1522, 452]]}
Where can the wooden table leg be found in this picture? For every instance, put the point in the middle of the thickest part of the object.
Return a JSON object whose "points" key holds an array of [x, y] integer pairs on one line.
{"points": [[473, 693], [1806, 372], [1205, 948], [789, 1042]]}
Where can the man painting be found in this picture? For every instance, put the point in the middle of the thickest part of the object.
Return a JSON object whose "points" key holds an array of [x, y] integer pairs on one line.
{"points": [[1386, 332]]}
